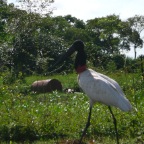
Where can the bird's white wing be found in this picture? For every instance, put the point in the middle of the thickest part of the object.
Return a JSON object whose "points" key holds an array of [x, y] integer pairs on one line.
{"points": [[113, 82], [100, 88]]}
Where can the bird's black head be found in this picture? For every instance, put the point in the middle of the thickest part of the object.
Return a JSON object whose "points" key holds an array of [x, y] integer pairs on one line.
{"points": [[80, 59], [78, 45]]}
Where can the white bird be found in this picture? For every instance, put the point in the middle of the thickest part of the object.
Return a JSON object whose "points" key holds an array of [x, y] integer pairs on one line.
{"points": [[98, 87]]}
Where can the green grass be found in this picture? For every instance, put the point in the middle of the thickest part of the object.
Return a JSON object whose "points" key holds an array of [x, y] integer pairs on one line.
{"points": [[59, 117]]}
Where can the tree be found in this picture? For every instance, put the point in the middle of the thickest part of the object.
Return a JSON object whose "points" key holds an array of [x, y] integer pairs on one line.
{"points": [[41, 7], [4, 34], [77, 23], [68, 28], [109, 35], [137, 25], [25, 27], [4, 12]]}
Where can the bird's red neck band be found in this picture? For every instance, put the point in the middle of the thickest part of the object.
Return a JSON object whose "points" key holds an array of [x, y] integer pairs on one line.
{"points": [[80, 69]]}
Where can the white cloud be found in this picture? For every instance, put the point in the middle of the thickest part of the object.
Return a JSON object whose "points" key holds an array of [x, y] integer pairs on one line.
{"points": [[84, 9]]}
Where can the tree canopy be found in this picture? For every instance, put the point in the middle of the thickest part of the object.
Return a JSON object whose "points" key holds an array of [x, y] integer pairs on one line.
{"points": [[30, 42]]}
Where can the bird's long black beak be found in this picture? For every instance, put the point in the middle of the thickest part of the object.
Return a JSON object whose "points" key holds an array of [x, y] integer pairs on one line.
{"points": [[64, 56]]}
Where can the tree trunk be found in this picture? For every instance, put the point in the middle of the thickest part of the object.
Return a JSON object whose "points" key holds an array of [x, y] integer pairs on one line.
{"points": [[135, 53]]}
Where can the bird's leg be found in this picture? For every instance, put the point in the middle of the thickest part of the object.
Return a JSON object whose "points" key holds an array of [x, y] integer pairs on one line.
{"points": [[87, 125], [115, 124]]}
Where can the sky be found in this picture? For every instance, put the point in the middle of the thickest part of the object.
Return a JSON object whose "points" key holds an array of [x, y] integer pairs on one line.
{"points": [[90, 9]]}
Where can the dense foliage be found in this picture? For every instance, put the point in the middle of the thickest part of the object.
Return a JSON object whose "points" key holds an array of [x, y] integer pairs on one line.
{"points": [[30, 42]]}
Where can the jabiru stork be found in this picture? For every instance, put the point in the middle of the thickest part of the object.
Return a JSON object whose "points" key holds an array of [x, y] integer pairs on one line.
{"points": [[98, 87]]}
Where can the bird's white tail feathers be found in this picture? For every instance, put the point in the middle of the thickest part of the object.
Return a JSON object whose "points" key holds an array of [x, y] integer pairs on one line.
{"points": [[124, 104]]}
